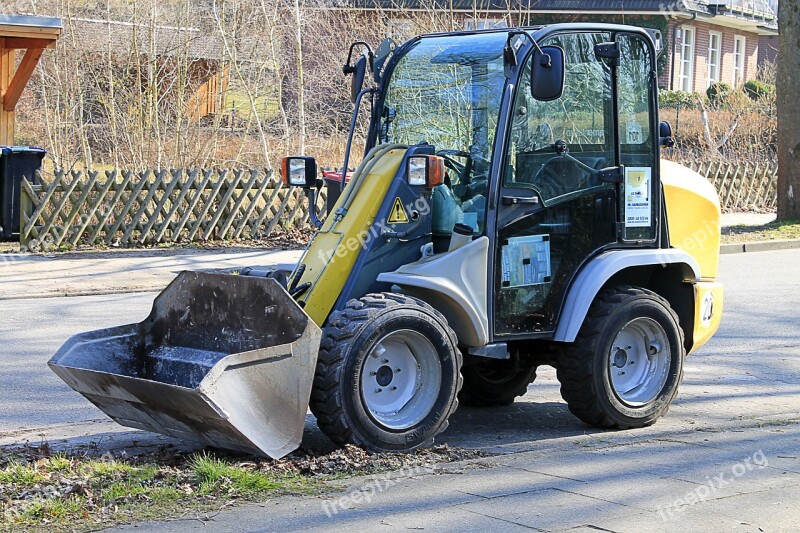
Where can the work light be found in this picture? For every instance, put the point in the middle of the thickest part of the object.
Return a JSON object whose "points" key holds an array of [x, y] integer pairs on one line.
{"points": [[299, 171], [425, 170]]}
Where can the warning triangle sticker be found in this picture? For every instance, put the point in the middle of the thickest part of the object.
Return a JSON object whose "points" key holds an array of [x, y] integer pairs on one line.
{"points": [[398, 213]]}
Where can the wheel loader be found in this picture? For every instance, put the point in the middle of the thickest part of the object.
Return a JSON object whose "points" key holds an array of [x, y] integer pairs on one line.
{"points": [[510, 211]]}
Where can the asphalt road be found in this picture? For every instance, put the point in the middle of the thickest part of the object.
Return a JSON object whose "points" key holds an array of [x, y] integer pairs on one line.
{"points": [[31, 330], [762, 312], [740, 397]]}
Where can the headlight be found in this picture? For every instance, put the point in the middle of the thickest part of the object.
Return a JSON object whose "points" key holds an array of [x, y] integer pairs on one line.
{"points": [[425, 171], [299, 171]]}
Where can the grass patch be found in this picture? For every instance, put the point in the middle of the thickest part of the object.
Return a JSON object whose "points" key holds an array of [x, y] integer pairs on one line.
{"points": [[768, 232], [20, 475], [64, 492], [81, 491], [238, 102], [213, 475]]}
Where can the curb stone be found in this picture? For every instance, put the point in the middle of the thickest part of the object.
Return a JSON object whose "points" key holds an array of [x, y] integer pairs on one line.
{"points": [[759, 246]]}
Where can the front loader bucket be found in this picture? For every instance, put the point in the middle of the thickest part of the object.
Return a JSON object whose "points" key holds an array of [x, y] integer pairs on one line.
{"points": [[222, 359]]}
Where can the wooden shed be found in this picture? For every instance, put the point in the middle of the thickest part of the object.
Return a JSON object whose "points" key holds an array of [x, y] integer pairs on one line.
{"points": [[30, 36]]}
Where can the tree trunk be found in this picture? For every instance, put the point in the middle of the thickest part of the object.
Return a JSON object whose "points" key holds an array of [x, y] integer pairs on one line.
{"points": [[301, 102], [788, 87]]}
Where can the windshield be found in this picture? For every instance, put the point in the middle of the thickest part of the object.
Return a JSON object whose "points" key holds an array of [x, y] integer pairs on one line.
{"points": [[446, 91]]}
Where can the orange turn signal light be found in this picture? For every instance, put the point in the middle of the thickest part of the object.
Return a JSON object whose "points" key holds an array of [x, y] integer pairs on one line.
{"points": [[425, 170]]}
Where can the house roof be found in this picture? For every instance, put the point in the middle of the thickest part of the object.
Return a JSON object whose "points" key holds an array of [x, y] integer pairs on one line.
{"points": [[164, 41], [517, 5], [25, 27], [758, 11]]}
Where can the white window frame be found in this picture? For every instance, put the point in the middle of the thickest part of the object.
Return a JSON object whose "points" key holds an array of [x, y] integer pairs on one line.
{"points": [[686, 59], [739, 59], [714, 68], [484, 23], [400, 29]]}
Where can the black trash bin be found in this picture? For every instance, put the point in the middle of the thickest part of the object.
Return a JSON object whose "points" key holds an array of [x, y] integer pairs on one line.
{"points": [[16, 162], [333, 182]]}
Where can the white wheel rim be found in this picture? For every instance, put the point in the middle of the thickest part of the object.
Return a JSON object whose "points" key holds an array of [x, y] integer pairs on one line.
{"points": [[400, 379], [639, 362]]}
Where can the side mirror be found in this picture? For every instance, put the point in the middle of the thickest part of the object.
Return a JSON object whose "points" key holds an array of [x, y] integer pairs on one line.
{"points": [[357, 83], [665, 135], [299, 171], [547, 73], [359, 69]]}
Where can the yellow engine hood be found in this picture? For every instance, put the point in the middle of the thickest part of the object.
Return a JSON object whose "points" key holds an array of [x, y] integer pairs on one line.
{"points": [[693, 215]]}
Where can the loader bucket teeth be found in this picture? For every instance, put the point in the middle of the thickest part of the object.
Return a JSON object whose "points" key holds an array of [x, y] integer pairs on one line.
{"points": [[224, 360]]}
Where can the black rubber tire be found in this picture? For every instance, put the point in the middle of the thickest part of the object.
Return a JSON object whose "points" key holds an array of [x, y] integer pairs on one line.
{"points": [[494, 383], [347, 340], [582, 367]]}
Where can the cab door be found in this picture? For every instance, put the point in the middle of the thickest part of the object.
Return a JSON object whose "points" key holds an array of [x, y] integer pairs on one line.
{"points": [[555, 211]]}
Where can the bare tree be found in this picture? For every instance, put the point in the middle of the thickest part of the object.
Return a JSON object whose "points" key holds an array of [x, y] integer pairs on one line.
{"points": [[788, 88]]}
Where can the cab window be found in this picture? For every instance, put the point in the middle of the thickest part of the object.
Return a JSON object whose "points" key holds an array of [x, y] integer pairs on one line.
{"points": [[581, 118]]}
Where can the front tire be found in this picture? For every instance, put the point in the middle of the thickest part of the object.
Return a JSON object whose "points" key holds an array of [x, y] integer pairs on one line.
{"points": [[388, 374], [624, 368]]}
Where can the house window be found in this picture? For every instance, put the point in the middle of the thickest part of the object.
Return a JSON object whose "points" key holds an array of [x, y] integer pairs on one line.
{"points": [[714, 50], [400, 29], [686, 60], [484, 24], [739, 44]]}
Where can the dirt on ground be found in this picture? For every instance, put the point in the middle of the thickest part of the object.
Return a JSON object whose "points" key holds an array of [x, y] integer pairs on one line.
{"points": [[768, 232], [290, 240], [84, 488]]}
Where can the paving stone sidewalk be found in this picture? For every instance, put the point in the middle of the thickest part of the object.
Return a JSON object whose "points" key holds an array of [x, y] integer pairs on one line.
{"points": [[725, 458], [38, 276]]}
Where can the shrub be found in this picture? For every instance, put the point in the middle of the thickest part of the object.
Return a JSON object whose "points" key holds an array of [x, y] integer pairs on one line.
{"points": [[718, 93], [757, 90], [677, 98]]}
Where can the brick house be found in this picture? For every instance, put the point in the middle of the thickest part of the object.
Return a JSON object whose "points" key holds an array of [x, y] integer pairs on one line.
{"points": [[705, 41], [723, 42]]}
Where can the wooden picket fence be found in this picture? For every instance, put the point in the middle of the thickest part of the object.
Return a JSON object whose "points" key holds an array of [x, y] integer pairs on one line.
{"points": [[154, 207], [172, 206], [741, 186]]}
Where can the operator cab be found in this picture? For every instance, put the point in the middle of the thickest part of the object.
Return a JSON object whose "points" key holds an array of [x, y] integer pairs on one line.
{"points": [[543, 176], [446, 92], [549, 141]]}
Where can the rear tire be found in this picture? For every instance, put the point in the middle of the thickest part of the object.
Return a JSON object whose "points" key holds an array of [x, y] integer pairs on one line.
{"points": [[388, 374], [624, 368], [494, 383]]}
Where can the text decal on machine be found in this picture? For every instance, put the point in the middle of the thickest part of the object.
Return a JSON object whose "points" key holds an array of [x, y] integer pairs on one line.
{"points": [[638, 208]]}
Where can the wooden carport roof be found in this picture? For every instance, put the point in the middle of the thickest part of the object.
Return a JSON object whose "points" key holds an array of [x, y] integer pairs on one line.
{"points": [[20, 32]]}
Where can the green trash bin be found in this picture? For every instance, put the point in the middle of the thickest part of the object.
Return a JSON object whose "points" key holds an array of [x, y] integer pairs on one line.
{"points": [[16, 163]]}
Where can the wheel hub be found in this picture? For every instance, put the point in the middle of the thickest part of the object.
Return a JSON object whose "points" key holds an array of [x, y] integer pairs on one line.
{"points": [[620, 358], [384, 375], [639, 362], [400, 379]]}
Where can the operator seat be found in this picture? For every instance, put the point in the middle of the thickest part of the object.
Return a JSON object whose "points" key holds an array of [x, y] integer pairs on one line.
{"points": [[561, 175]]}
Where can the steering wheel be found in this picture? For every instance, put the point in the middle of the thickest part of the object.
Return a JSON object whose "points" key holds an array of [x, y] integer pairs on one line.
{"points": [[469, 186], [459, 168]]}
